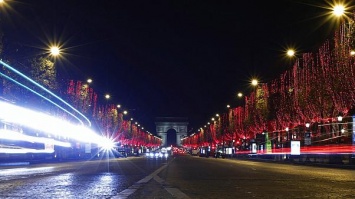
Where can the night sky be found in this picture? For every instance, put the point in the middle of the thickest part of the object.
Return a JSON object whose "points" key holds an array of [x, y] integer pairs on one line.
{"points": [[181, 58]]}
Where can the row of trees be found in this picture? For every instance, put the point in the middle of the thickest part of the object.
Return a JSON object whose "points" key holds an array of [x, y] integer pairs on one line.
{"points": [[105, 117], [318, 88]]}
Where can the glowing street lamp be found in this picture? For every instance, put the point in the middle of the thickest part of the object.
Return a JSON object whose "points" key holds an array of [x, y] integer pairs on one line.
{"points": [[308, 125], [240, 94], [290, 52], [340, 118], [254, 82], [287, 133], [338, 10], [125, 112], [89, 80], [54, 51], [107, 96]]}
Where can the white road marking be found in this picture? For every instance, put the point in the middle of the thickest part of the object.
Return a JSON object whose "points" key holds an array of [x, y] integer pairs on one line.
{"points": [[130, 190], [177, 193], [149, 177]]}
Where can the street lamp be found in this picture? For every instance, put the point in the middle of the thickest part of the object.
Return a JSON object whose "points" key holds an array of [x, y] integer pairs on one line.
{"points": [[107, 96], [89, 81], [288, 136], [340, 119], [338, 10], [290, 52], [54, 51], [307, 125], [254, 82]]}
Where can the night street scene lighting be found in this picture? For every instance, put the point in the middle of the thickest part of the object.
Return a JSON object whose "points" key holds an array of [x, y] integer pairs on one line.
{"points": [[224, 105]]}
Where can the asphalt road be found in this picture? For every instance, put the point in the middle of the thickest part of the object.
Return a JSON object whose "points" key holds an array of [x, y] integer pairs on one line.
{"points": [[179, 177]]}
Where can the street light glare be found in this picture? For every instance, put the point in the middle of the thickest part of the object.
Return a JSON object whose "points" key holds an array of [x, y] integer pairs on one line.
{"points": [[254, 82], [240, 94], [55, 51], [338, 10], [290, 53]]}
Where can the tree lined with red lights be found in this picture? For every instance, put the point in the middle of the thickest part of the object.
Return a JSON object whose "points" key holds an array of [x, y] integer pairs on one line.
{"points": [[106, 116], [319, 87]]}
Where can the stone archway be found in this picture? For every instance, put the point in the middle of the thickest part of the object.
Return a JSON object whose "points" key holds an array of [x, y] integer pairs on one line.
{"points": [[164, 124], [171, 138]]}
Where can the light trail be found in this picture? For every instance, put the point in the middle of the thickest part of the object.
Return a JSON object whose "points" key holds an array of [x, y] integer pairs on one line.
{"points": [[21, 150], [48, 124], [330, 149], [43, 88], [13, 135], [47, 99]]}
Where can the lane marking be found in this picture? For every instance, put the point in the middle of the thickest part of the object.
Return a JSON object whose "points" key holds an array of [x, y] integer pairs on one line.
{"points": [[177, 193], [149, 177], [158, 179], [125, 193], [130, 190]]}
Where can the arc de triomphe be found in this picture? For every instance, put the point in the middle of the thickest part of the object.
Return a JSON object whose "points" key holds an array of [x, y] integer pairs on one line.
{"points": [[164, 124]]}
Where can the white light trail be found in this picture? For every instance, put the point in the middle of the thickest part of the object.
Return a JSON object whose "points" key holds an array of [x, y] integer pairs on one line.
{"points": [[48, 124], [24, 150], [36, 93], [13, 135], [43, 88]]}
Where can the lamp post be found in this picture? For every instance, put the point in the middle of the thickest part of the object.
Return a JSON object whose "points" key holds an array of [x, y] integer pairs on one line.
{"points": [[288, 139], [107, 97], [287, 133], [130, 128], [307, 136], [340, 119]]}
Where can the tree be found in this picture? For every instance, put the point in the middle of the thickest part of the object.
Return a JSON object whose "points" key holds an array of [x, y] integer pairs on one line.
{"points": [[44, 72]]}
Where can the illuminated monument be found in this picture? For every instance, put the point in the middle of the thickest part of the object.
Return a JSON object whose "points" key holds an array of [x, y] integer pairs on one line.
{"points": [[165, 124]]}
